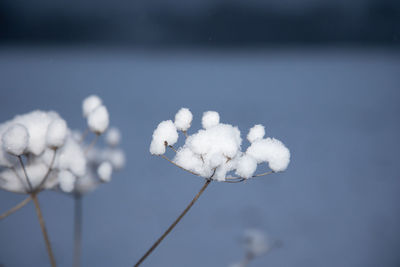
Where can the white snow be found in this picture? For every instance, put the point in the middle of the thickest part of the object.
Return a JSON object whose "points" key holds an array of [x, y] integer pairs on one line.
{"points": [[272, 151], [67, 181], [15, 139], [56, 133], [98, 120], [210, 119], [215, 151], [90, 103], [164, 133], [104, 171], [256, 133], [256, 242], [183, 119], [113, 136]]}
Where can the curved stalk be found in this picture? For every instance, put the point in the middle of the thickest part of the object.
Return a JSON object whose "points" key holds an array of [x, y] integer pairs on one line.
{"points": [[161, 238], [44, 231], [15, 208]]}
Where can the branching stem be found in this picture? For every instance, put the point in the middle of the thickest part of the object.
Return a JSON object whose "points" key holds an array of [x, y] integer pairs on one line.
{"points": [[15, 208], [159, 240]]}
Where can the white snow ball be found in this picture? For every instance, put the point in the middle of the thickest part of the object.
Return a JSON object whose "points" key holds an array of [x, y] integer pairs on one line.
{"points": [[210, 119], [104, 171], [272, 151], [113, 136], [246, 166], [165, 132], [90, 103], [56, 133], [15, 139], [183, 119], [189, 160], [98, 120], [66, 181], [256, 133]]}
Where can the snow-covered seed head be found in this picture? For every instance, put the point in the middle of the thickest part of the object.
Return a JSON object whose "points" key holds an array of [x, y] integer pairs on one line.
{"points": [[113, 137], [270, 150], [16, 139], [90, 103], [183, 119], [256, 133], [104, 171], [210, 119], [56, 133], [66, 180], [246, 166], [98, 120], [117, 158], [164, 134]]}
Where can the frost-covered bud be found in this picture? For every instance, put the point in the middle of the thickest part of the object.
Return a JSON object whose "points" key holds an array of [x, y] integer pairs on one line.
{"points": [[15, 139], [56, 133], [98, 120], [270, 150], [67, 181], [113, 137], [256, 133], [183, 119], [104, 171], [165, 132], [246, 167], [89, 104], [210, 119]]}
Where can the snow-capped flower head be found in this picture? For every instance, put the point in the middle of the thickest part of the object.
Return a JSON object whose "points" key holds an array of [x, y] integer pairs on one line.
{"points": [[164, 134], [256, 133], [210, 119], [183, 119], [67, 181], [214, 152], [256, 242], [98, 120], [113, 137], [104, 171], [90, 103], [56, 133], [15, 139]]}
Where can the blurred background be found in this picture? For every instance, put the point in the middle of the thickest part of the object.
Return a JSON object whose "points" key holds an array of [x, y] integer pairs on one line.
{"points": [[322, 76]]}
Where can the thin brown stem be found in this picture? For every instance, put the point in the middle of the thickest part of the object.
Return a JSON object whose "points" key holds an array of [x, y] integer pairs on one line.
{"points": [[77, 230], [44, 231], [173, 148], [85, 133], [48, 171], [15, 208], [159, 240], [92, 144], [166, 158], [26, 175]]}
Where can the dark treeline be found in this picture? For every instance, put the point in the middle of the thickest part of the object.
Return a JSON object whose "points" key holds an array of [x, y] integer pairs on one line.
{"points": [[378, 22]]}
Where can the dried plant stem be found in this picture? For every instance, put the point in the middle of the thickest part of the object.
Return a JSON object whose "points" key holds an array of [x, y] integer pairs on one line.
{"points": [[44, 231], [15, 208], [91, 145], [77, 229], [159, 240], [26, 175]]}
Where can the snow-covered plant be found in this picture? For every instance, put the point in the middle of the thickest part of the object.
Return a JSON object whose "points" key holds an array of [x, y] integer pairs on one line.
{"points": [[38, 151], [256, 243], [215, 153]]}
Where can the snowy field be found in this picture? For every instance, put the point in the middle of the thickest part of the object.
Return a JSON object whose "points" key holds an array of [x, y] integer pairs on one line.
{"points": [[337, 111]]}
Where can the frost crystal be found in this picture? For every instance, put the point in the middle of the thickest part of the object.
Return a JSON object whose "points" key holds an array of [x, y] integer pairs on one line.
{"points": [[215, 151]]}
